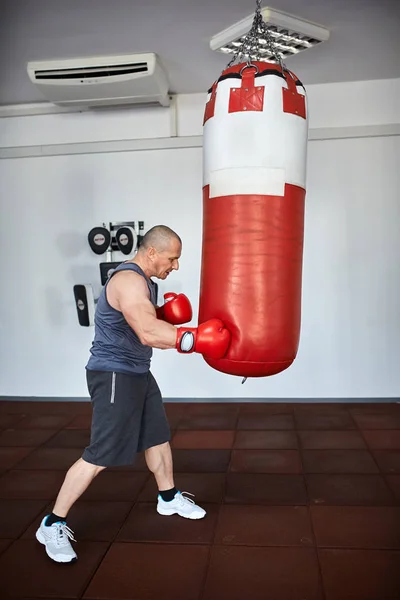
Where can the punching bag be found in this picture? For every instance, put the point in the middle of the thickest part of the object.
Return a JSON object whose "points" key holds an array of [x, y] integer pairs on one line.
{"points": [[254, 170]]}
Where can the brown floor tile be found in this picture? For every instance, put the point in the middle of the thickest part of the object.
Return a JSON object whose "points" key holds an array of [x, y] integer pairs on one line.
{"points": [[4, 544], [388, 460], [46, 407], [201, 461], [394, 484], [383, 440], [272, 408], [54, 422], [360, 574], [144, 524], [206, 487], [331, 440], [378, 421], [212, 408], [264, 526], [246, 488], [70, 438], [9, 421], [80, 422], [265, 461], [203, 439], [266, 440], [310, 421], [90, 521], [9, 457], [321, 408], [263, 574], [50, 458], [25, 437], [148, 571], [375, 408], [338, 461], [200, 422], [29, 558], [31, 485], [113, 486], [357, 526], [361, 490], [17, 515], [265, 421]]}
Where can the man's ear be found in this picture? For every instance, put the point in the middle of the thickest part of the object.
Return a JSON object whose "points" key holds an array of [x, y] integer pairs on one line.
{"points": [[151, 253]]}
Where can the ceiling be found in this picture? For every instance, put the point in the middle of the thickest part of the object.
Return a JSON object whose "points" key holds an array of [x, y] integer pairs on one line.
{"points": [[364, 42]]}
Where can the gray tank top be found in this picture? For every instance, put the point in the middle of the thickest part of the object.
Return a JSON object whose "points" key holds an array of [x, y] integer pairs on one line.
{"points": [[116, 347]]}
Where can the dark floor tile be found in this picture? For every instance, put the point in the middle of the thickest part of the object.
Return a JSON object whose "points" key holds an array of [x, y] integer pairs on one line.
{"points": [[383, 440], [200, 422], [203, 439], [50, 458], [25, 437], [267, 440], [9, 457], [144, 524], [246, 488], [4, 544], [113, 486], [394, 484], [17, 515], [46, 407], [271, 408], [361, 490], [265, 421], [378, 421], [388, 460], [311, 421], [31, 485], [212, 408], [22, 563], [331, 440], [70, 438], [264, 526], [375, 408], [54, 422], [338, 461], [80, 422], [265, 461], [321, 408], [206, 487], [90, 521], [149, 571], [204, 461], [357, 526], [263, 574], [9, 421], [360, 574]]}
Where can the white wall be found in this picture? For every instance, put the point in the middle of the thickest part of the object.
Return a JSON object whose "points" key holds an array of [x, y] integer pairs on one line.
{"points": [[350, 341]]}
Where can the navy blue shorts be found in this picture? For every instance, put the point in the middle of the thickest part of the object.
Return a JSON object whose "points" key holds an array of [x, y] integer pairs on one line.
{"points": [[128, 417]]}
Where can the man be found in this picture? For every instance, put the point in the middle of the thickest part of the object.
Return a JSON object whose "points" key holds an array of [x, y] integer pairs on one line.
{"points": [[128, 412]]}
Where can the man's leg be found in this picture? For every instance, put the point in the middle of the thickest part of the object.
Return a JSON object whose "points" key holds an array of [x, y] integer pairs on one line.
{"points": [[159, 462], [76, 481]]}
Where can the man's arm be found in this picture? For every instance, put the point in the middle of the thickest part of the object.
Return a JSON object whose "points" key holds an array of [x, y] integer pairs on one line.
{"points": [[132, 295]]}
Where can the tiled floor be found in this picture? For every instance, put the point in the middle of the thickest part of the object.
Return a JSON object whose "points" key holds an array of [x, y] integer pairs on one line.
{"points": [[303, 503]]}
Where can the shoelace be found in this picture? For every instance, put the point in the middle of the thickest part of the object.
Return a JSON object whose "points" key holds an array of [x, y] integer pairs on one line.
{"points": [[63, 531], [184, 499]]}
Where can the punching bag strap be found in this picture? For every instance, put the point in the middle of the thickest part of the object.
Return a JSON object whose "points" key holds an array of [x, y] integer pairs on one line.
{"points": [[210, 106], [293, 102], [248, 97]]}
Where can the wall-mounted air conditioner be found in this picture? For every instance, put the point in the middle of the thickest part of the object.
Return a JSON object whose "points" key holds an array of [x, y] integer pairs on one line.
{"points": [[102, 81]]}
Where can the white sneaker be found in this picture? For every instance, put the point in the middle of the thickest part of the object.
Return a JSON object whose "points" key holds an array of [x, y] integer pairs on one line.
{"points": [[181, 505], [56, 539]]}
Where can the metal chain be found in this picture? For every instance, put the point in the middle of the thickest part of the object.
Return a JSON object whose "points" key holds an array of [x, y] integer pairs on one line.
{"points": [[250, 46]]}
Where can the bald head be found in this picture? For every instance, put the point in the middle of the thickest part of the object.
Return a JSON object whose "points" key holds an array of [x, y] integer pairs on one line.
{"points": [[159, 237]]}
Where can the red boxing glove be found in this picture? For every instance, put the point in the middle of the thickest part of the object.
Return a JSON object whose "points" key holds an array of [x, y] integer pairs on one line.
{"points": [[176, 309], [211, 339]]}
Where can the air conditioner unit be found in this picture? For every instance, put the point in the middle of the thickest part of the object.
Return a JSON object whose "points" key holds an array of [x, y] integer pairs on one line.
{"points": [[102, 81]]}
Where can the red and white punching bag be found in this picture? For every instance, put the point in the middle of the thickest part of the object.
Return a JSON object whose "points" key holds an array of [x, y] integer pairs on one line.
{"points": [[254, 160]]}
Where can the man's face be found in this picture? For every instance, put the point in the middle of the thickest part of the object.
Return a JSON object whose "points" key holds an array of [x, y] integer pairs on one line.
{"points": [[167, 260]]}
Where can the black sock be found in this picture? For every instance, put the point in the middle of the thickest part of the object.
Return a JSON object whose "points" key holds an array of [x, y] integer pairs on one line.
{"points": [[53, 519], [168, 495]]}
